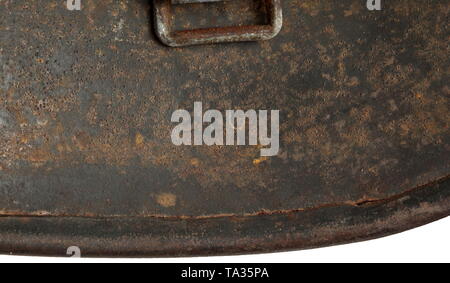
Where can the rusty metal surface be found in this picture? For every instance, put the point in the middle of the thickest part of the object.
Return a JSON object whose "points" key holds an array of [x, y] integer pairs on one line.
{"points": [[86, 156]]}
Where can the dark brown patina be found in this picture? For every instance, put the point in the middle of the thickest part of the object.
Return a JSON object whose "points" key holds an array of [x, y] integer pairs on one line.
{"points": [[86, 99]]}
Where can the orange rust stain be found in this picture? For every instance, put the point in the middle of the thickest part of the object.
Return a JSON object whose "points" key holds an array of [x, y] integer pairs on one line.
{"points": [[166, 200], [259, 160], [195, 162], [139, 139], [39, 156]]}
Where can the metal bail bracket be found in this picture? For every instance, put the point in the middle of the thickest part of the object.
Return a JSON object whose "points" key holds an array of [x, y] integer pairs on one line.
{"points": [[163, 21]]}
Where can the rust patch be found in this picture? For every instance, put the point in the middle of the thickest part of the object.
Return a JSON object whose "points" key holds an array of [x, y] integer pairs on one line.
{"points": [[364, 115], [166, 200]]}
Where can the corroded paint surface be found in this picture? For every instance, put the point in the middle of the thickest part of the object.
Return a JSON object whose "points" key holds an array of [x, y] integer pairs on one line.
{"points": [[86, 99]]}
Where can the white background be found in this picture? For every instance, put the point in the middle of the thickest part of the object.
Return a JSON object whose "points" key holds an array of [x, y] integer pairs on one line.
{"points": [[430, 243]]}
